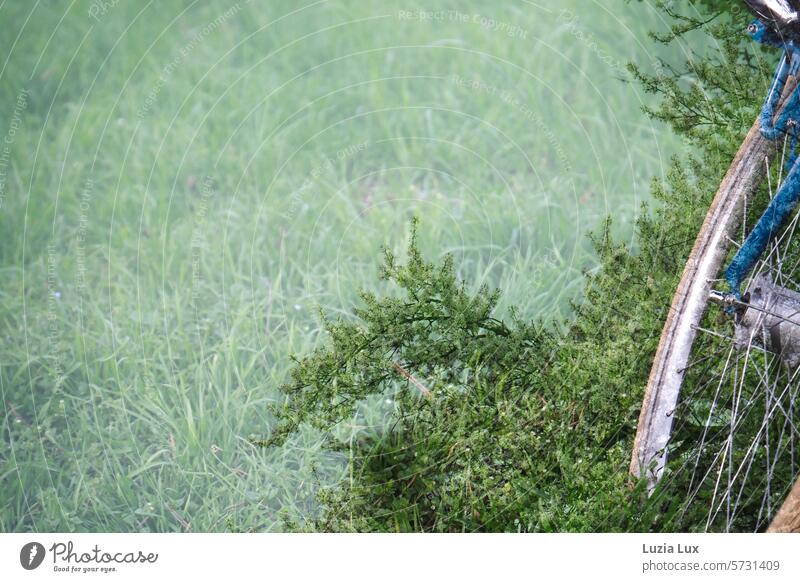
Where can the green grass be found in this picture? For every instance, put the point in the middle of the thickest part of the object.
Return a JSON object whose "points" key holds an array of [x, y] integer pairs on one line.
{"points": [[188, 182]]}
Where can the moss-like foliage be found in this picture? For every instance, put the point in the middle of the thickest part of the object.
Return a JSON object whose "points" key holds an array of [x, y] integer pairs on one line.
{"points": [[509, 426]]}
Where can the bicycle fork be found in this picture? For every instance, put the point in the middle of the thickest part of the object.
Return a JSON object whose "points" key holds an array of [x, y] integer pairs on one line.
{"points": [[782, 205]]}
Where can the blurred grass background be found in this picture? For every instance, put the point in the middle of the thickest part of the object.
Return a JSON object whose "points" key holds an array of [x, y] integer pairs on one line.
{"points": [[183, 184]]}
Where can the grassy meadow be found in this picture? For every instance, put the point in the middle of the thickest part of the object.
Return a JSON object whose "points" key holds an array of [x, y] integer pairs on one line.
{"points": [[184, 185]]}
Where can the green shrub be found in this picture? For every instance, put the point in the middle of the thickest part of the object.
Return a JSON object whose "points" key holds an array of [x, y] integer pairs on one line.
{"points": [[510, 426]]}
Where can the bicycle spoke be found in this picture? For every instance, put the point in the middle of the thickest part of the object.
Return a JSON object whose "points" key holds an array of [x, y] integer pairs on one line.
{"points": [[735, 428]]}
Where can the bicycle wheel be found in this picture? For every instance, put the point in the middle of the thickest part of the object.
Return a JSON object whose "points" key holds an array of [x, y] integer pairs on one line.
{"points": [[729, 453]]}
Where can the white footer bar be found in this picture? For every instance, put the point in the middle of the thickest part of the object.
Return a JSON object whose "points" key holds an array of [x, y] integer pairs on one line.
{"points": [[407, 558]]}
